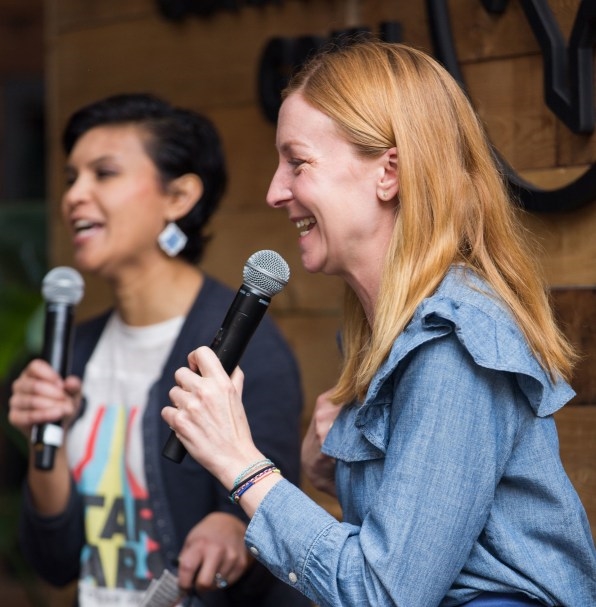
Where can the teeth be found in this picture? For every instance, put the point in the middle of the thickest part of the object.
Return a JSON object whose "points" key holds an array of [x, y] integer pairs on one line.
{"points": [[83, 224], [301, 223], [305, 223]]}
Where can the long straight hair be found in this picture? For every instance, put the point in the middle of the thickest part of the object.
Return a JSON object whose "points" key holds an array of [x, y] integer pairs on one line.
{"points": [[454, 206]]}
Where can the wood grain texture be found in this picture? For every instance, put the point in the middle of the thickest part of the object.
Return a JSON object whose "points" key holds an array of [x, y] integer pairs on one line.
{"points": [[566, 245], [576, 312], [577, 437], [507, 93], [21, 38]]}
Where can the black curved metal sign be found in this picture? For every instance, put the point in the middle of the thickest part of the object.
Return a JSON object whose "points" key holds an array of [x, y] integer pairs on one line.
{"points": [[568, 74], [568, 88]]}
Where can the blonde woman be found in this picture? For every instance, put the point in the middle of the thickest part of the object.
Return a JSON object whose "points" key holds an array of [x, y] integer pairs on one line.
{"points": [[438, 438]]}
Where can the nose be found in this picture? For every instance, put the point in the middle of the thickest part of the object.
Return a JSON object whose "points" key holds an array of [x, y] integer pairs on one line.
{"points": [[279, 192], [74, 194]]}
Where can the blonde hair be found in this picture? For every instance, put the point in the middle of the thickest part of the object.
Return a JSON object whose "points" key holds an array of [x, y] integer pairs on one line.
{"points": [[453, 202]]}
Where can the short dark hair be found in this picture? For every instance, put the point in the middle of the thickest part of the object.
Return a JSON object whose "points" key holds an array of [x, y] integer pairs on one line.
{"points": [[179, 141]]}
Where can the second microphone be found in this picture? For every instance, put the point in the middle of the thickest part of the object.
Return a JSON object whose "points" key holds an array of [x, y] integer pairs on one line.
{"points": [[265, 274]]}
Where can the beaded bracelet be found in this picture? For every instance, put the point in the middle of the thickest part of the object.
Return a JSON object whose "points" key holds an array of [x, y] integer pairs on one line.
{"points": [[253, 476], [237, 492], [235, 497], [250, 477], [260, 464]]}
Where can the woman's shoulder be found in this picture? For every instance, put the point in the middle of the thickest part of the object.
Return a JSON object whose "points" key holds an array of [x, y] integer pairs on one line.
{"points": [[88, 331], [465, 307], [467, 304]]}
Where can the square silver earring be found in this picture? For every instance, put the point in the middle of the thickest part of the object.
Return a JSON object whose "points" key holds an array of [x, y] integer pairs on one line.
{"points": [[172, 239]]}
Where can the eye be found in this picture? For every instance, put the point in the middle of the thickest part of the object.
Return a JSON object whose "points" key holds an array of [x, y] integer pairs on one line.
{"points": [[103, 173], [69, 178], [296, 163]]}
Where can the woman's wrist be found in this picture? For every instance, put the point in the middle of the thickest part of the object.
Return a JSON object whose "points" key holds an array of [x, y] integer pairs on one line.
{"points": [[242, 467], [253, 475], [252, 481], [250, 500]]}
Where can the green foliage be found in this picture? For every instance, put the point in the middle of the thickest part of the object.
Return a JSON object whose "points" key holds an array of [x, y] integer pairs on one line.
{"points": [[22, 267]]}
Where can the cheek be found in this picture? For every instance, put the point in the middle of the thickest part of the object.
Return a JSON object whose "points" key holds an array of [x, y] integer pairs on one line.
{"points": [[308, 189], [140, 199]]}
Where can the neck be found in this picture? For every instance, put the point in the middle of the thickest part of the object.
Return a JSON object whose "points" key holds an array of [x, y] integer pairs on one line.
{"points": [[365, 269], [158, 294], [366, 284], [368, 298]]}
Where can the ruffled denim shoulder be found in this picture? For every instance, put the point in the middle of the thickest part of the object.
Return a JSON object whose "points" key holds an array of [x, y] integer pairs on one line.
{"points": [[466, 306]]}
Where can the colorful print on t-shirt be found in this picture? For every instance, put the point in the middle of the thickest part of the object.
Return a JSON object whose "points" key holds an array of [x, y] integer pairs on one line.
{"points": [[120, 551]]}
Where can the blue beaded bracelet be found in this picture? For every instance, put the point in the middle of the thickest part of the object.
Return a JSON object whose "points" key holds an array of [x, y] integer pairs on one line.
{"points": [[237, 492]]}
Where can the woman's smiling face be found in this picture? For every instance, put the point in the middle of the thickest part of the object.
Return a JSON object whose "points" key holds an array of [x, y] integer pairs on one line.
{"points": [[114, 202], [329, 191]]}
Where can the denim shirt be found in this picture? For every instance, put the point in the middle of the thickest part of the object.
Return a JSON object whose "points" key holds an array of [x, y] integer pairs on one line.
{"points": [[448, 475]]}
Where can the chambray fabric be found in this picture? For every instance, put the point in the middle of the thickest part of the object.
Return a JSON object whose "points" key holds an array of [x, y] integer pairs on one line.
{"points": [[499, 599], [448, 475]]}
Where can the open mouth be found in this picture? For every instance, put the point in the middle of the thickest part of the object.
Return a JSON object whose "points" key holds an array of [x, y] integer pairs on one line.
{"points": [[305, 225], [83, 225]]}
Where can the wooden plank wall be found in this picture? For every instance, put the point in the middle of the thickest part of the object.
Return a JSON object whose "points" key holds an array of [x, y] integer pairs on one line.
{"points": [[21, 59], [97, 48]]}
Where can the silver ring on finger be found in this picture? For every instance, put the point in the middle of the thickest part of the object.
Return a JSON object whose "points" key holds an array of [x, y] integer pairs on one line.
{"points": [[220, 581]]}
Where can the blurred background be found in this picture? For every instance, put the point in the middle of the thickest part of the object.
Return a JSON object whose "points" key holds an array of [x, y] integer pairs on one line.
{"points": [[23, 254], [228, 59]]}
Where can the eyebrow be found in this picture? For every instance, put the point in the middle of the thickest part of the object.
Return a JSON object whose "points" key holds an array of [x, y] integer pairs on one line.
{"points": [[288, 146], [94, 162]]}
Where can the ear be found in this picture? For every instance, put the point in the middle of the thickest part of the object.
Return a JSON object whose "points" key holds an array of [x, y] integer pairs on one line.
{"points": [[185, 191], [388, 184]]}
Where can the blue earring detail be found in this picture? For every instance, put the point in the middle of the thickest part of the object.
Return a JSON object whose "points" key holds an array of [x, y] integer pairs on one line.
{"points": [[172, 239]]}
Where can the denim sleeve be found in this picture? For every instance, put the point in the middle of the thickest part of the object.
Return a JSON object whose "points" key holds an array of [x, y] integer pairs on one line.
{"points": [[421, 507]]}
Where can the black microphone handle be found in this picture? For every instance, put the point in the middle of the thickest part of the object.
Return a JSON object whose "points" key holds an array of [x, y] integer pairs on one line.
{"points": [[46, 438], [241, 321]]}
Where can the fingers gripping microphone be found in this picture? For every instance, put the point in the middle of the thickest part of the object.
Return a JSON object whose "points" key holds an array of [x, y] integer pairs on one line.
{"points": [[265, 274], [62, 288]]}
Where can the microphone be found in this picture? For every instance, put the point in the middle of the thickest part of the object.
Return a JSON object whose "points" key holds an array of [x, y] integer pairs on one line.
{"points": [[62, 288], [265, 274]]}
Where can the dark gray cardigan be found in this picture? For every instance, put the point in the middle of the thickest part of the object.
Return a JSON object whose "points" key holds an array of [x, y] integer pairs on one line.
{"points": [[182, 494]]}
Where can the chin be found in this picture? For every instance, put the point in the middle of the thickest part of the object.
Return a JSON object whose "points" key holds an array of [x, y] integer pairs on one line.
{"points": [[314, 268], [83, 261], [80, 264], [86, 266]]}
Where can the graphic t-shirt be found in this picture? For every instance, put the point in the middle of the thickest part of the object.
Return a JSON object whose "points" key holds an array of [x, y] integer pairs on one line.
{"points": [[105, 452]]}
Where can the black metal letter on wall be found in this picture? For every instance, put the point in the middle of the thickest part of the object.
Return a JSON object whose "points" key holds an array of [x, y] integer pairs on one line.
{"points": [[568, 87], [178, 10], [282, 56]]}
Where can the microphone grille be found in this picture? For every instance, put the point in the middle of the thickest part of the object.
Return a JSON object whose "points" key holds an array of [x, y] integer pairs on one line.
{"points": [[266, 271], [63, 285]]}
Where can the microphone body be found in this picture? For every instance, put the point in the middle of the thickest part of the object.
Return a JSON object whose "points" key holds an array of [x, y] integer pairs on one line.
{"points": [[62, 288], [265, 274]]}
